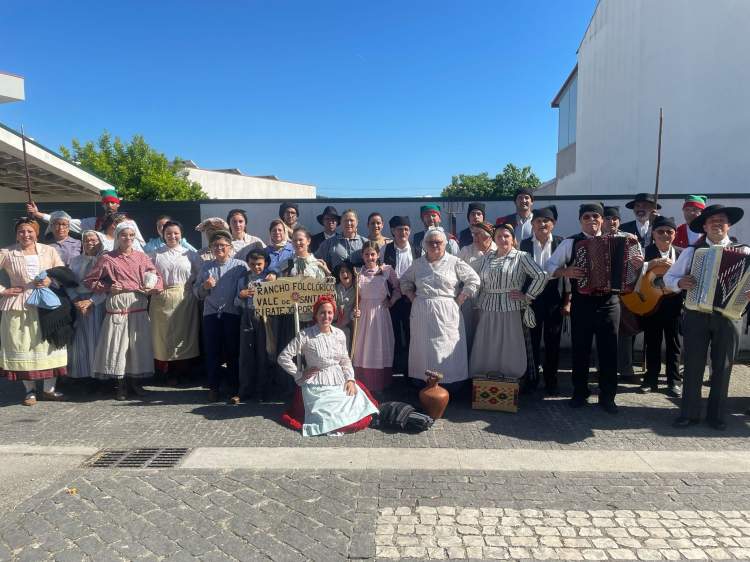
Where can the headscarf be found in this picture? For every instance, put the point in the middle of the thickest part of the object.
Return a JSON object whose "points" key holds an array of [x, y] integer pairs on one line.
{"points": [[324, 299], [56, 215], [122, 226], [99, 235]]}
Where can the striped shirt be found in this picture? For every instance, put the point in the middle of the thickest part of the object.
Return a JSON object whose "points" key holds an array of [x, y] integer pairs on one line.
{"points": [[502, 274]]}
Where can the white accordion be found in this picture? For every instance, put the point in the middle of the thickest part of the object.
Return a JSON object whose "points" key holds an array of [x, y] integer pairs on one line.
{"points": [[723, 276]]}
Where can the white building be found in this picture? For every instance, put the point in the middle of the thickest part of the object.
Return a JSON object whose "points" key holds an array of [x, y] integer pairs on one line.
{"points": [[233, 184], [689, 57], [52, 178]]}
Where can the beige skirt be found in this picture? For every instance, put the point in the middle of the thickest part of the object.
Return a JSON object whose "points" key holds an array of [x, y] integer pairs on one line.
{"points": [[24, 355], [499, 345], [174, 324], [125, 347]]}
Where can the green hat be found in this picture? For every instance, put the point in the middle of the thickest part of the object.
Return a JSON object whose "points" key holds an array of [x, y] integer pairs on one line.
{"points": [[109, 195], [698, 201], [428, 208]]}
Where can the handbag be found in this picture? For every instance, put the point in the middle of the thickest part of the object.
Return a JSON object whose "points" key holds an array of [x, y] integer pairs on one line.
{"points": [[43, 297]]}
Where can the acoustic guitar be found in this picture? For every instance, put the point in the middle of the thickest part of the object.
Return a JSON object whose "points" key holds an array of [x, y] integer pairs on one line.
{"points": [[644, 300]]}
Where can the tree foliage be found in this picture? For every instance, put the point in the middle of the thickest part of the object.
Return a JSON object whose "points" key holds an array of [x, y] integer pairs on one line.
{"points": [[482, 186], [137, 171]]}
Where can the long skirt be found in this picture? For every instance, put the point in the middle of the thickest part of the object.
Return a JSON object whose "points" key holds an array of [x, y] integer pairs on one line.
{"points": [[321, 409], [373, 351], [125, 347], [499, 345], [175, 322], [82, 353], [24, 355], [471, 318], [438, 339]]}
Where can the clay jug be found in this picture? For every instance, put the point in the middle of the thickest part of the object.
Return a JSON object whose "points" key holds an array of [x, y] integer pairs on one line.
{"points": [[433, 397]]}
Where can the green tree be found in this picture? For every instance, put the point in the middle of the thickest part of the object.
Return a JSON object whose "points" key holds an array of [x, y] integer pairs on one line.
{"points": [[137, 171], [482, 186]]}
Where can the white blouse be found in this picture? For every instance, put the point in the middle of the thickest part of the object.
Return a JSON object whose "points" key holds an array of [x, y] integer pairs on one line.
{"points": [[177, 266], [439, 279], [327, 352]]}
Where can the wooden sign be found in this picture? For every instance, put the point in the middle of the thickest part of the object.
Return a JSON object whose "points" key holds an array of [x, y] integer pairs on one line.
{"points": [[278, 297]]}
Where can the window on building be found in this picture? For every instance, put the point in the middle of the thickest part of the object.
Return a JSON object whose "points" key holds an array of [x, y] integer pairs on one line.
{"points": [[568, 104]]}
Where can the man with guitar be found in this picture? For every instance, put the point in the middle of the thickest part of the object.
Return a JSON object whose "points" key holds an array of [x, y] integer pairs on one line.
{"points": [[664, 322]]}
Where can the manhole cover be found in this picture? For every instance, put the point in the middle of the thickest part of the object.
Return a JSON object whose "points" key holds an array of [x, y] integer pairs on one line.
{"points": [[137, 458]]}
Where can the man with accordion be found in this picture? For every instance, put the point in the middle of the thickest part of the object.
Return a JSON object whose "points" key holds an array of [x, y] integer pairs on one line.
{"points": [[599, 267], [716, 275]]}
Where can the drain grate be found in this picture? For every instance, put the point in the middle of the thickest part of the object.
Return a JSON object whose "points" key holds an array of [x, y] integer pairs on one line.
{"points": [[137, 458]]}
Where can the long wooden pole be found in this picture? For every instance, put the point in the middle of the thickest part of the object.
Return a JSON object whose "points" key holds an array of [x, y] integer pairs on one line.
{"points": [[356, 306], [26, 167], [658, 156]]}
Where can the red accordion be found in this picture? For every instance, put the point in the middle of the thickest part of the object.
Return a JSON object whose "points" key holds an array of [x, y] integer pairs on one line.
{"points": [[607, 263]]}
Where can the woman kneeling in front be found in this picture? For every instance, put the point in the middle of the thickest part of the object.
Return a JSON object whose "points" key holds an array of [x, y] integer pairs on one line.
{"points": [[328, 399]]}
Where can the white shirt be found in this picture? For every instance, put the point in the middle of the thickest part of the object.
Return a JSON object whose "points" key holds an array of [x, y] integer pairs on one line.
{"points": [[404, 258], [177, 266], [523, 227], [681, 267], [32, 264], [542, 252]]}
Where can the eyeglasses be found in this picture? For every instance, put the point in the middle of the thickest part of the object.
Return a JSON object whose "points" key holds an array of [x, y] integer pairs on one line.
{"points": [[435, 243], [220, 246]]}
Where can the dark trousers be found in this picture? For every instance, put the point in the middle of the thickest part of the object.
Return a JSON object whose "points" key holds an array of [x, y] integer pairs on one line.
{"points": [[400, 313], [549, 320], [595, 317], [221, 336], [253, 368], [699, 330], [664, 324]]}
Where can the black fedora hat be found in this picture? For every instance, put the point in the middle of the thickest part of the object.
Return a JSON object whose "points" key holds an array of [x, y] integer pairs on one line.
{"points": [[734, 214], [645, 198], [329, 211]]}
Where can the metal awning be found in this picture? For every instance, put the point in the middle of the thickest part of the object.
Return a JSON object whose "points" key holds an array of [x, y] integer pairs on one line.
{"points": [[53, 178]]}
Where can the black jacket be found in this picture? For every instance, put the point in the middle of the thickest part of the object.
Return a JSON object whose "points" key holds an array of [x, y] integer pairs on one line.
{"points": [[553, 286], [632, 228], [465, 238]]}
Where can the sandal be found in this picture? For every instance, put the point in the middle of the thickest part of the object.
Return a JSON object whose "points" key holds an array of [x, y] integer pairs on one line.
{"points": [[30, 400]]}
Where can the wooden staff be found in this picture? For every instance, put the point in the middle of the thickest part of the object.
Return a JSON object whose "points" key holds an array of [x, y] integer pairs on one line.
{"points": [[26, 167], [296, 331], [658, 157], [356, 306]]}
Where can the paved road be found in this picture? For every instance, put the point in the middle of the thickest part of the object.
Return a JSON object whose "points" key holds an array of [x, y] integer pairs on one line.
{"points": [[419, 510]]}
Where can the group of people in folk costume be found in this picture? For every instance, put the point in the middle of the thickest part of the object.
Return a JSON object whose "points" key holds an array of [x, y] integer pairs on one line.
{"points": [[486, 301]]}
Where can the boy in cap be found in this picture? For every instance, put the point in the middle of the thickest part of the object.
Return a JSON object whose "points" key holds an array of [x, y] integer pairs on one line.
{"points": [[553, 303], [611, 220], [664, 324], [400, 254], [430, 215], [701, 329], [475, 215], [523, 199], [692, 207], [289, 213]]}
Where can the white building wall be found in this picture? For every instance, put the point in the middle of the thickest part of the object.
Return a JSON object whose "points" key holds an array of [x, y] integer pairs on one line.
{"points": [[689, 57], [223, 185]]}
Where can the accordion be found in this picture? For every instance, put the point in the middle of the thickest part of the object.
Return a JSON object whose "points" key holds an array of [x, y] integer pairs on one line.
{"points": [[723, 278], [606, 261]]}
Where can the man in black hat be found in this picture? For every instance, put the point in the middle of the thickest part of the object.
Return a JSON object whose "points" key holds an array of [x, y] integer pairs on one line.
{"points": [[400, 254], [591, 316], [329, 219], [644, 207], [475, 215], [664, 324], [521, 219], [611, 220], [554, 301], [701, 329], [289, 213]]}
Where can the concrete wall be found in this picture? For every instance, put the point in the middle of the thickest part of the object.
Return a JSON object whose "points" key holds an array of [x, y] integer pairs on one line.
{"points": [[11, 88], [222, 185], [687, 56]]}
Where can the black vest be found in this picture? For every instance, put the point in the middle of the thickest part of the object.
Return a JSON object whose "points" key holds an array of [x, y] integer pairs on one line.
{"points": [[389, 254]]}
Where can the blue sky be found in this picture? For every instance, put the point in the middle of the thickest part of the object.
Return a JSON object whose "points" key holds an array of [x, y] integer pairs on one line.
{"points": [[380, 98]]}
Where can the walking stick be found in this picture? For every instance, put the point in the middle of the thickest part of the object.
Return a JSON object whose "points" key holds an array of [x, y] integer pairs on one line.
{"points": [[26, 167], [296, 331], [356, 306]]}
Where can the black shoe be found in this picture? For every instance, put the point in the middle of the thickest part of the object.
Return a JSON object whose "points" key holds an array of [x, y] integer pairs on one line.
{"points": [[646, 389], [674, 391], [610, 407], [552, 391], [578, 402], [717, 424], [121, 390], [684, 422]]}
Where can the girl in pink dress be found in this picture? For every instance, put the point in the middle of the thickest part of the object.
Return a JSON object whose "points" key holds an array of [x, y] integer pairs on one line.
{"points": [[374, 341]]}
